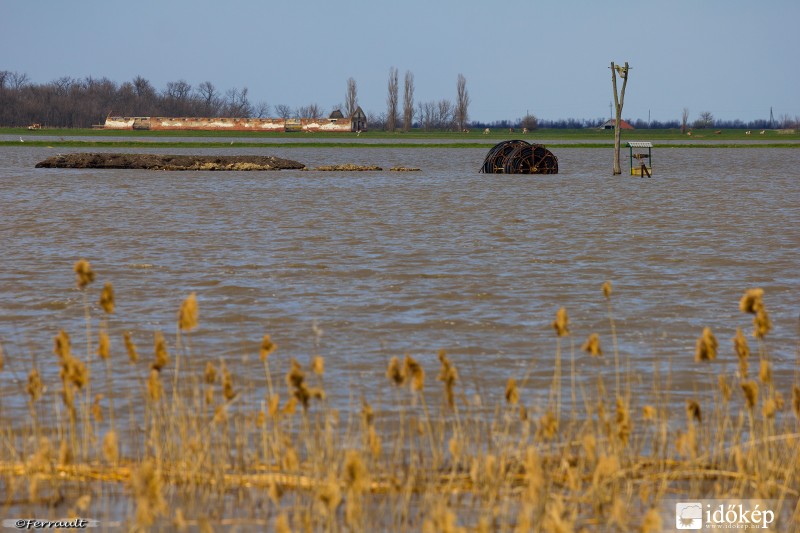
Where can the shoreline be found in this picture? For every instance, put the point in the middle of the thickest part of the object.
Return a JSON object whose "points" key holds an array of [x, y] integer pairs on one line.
{"points": [[555, 138], [366, 144]]}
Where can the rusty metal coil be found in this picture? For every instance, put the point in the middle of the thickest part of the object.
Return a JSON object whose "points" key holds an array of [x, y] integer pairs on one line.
{"points": [[496, 158], [519, 157]]}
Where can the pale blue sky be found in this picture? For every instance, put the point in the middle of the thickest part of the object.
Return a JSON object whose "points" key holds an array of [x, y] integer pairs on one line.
{"points": [[733, 58]]}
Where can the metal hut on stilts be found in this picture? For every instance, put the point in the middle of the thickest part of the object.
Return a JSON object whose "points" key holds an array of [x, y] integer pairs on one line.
{"points": [[644, 166]]}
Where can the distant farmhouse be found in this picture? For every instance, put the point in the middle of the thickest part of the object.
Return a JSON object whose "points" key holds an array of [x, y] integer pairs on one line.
{"points": [[609, 125], [336, 122]]}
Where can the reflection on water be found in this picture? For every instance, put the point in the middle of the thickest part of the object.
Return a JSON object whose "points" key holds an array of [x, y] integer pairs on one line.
{"points": [[388, 263]]}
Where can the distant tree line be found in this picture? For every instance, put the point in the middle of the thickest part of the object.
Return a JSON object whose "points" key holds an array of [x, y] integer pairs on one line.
{"points": [[81, 102], [531, 122], [432, 115], [705, 121]]}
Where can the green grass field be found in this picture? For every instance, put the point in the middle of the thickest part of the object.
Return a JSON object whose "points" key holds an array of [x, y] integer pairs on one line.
{"points": [[584, 138]]}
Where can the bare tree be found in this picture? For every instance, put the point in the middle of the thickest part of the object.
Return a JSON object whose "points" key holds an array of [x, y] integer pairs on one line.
{"points": [[176, 98], [206, 91], [684, 119], [17, 80], [462, 103], [261, 110], [145, 97], [126, 98], [283, 111], [706, 120], [237, 103], [351, 98], [408, 101], [309, 111], [426, 115], [179, 90], [376, 120], [444, 114], [530, 122], [619, 101], [435, 115], [209, 97], [315, 111], [392, 101], [62, 85], [143, 87]]}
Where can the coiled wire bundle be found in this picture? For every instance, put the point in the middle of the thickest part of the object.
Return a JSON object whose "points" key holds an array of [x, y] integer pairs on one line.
{"points": [[519, 157]]}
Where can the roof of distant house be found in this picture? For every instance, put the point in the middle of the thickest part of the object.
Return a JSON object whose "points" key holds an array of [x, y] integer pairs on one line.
{"points": [[623, 125]]}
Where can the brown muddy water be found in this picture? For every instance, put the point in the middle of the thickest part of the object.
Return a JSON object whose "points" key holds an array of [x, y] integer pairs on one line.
{"points": [[390, 263]]}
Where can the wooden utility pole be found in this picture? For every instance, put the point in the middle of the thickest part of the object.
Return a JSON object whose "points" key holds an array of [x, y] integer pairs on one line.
{"points": [[619, 100]]}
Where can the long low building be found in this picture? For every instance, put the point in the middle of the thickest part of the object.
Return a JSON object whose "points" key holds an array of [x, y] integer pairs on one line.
{"points": [[335, 123]]}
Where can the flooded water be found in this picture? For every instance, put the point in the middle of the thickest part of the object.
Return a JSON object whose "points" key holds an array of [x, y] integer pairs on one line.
{"points": [[389, 263]]}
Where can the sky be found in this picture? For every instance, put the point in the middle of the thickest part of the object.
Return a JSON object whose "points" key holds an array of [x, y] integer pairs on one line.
{"points": [[733, 58]]}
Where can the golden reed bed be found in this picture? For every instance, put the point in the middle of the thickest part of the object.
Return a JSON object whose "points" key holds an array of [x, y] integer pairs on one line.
{"points": [[202, 448]]}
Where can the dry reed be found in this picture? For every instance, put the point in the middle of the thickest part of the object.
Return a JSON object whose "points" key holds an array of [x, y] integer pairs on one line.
{"points": [[193, 461]]}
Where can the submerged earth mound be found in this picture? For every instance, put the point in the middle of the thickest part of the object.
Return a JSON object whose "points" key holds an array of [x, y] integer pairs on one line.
{"points": [[169, 162]]}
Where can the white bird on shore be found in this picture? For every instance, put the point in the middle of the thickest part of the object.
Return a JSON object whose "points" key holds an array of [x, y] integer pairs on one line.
{"points": [[20, 140]]}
